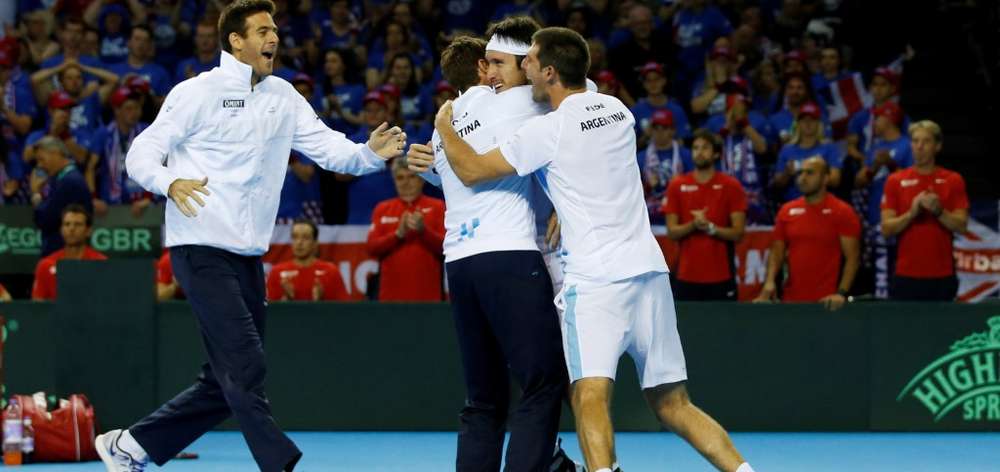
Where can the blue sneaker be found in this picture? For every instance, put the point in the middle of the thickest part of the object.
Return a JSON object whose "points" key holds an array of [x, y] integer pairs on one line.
{"points": [[114, 457]]}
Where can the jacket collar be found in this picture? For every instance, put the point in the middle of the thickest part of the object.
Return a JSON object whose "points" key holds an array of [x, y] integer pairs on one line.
{"points": [[236, 69]]}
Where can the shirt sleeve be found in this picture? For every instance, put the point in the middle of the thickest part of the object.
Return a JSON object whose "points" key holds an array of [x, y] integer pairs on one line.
{"points": [[832, 156], [274, 291], [42, 288], [890, 195], [848, 223], [737, 198], [779, 226], [533, 146], [163, 273], [958, 199], [672, 203], [333, 285], [148, 153], [330, 149], [381, 238]]}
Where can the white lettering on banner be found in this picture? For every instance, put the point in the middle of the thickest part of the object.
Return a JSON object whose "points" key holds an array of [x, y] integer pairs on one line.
{"points": [[345, 276], [756, 266], [977, 261], [361, 274]]}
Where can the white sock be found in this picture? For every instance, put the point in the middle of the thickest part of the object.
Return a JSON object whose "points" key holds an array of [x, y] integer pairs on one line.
{"points": [[128, 444], [614, 467], [744, 467], [603, 470]]}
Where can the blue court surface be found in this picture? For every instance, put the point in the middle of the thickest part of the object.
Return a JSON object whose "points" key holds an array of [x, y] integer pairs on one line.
{"points": [[638, 452]]}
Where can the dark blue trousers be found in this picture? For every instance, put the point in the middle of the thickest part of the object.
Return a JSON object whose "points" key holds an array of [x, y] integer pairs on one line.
{"points": [[226, 292], [507, 324]]}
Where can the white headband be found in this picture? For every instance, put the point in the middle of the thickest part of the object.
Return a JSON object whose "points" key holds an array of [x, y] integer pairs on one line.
{"points": [[507, 45]]}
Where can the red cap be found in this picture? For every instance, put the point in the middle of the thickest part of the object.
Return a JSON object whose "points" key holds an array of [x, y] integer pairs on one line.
{"points": [[302, 78], [138, 84], [607, 77], [663, 117], [891, 111], [795, 55], [722, 51], [811, 110], [888, 74], [121, 94], [9, 49], [734, 98], [61, 100], [443, 86], [651, 67], [374, 96], [6, 58], [390, 90], [737, 84]]}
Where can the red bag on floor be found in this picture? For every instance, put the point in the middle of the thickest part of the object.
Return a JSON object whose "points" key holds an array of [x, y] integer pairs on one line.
{"points": [[65, 434]]}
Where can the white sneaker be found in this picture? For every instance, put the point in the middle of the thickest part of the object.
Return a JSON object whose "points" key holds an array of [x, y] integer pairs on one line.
{"points": [[114, 457]]}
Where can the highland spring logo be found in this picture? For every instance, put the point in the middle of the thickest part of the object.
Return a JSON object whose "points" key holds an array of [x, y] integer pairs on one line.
{"points": [[968, 376]]}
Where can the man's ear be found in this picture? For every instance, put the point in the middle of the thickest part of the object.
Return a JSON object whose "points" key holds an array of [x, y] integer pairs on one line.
{"points": [[235, 41]]}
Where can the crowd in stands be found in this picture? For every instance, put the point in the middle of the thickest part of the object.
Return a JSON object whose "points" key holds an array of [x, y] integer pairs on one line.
{"points": [[747, 114]]}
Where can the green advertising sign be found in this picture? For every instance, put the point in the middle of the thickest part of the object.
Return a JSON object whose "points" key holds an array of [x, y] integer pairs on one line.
{"points": [[116, 234]]}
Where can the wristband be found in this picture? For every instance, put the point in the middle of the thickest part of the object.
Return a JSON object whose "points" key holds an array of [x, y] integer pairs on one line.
{"points": [[711, 229]]}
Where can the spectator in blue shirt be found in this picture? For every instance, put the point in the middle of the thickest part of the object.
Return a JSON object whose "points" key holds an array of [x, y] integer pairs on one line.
{"points": [[70, 42], [744, 140], [414, 105], [890, 152], [860, 130], [114, 25], [300, 194], [796, 93], [77, 141], [336, 27], [696, 27], [654, 82], [111, 143], [710, 90], [139, 63], [829, 71], [364, 192], [206, 53], [88, 96], [806, 142], [664, 158], [340, 91], [17, 107], [646, 43]]}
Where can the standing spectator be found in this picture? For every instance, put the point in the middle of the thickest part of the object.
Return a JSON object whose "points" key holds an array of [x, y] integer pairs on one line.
{"points": [[17, 107], [89, 96], [743, 142], [77, 141], [817, 231], [414, 106], [654, 82], [305, 277], [923, 207], [766, 88], [884, 87], [206, 53], [365, 191], [66, 186], [301, 197], [336, 28], [395, 41], [830, 70], [74, 227], [37, 40], [696, 27], [663, 159], [70, 43], [341, 91], [647, 44], [113, 21], [807, 141], [91, 45], [783, 122], [890, 151], [111, 143], [709, 92], [706, 212], [167, 287], [406, 236], [139, 63]]}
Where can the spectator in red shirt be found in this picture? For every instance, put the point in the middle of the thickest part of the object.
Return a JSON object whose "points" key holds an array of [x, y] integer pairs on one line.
{"points": [[706, 212], [406, 237], [167, 287], [305, 277], [75, 231], [923, 206], [817, 230]]}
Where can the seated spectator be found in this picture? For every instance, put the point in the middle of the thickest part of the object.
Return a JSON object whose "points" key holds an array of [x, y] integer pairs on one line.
{"points": [[766, 89], [890, 151], [663, 159], [342, 93], [923, 207], [647, 43], [113, 21], [66, 186], [17, 107], [86, 114], [807, 141], [396, 40], [206, 53], [111, 143], [364, 192], [167, 287], [743, 142], [70, 43], [654, 82], [75, 227], [708, 96], [406, 236], [860, 130], [305, 277], [817, 231], [706, 213], [796, 93], [140, 63], [4, 294]]}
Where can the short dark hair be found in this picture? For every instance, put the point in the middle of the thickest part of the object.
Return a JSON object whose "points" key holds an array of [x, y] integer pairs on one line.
{"points": [[78, 209], [310, 223], [460, 61], [142, 27], [567, 52], [234, 19], [709, 137]]}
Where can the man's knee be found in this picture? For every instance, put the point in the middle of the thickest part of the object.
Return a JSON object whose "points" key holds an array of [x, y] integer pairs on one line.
{"points": [[590, 392], [668, 399]]}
